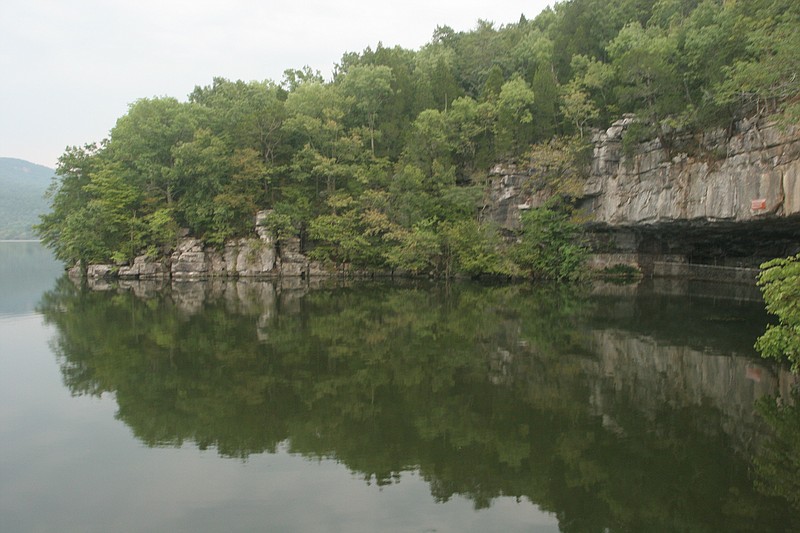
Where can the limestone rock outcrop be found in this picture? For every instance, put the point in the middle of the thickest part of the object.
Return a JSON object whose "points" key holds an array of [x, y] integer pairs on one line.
{"points": [[751, 175], [100, 271], [192, 259], [189, 260], [144, 267], [246, 257]]}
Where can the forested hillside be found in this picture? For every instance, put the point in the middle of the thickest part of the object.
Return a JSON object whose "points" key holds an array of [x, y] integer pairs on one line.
{"points": [[23, 185], [384, 164]]}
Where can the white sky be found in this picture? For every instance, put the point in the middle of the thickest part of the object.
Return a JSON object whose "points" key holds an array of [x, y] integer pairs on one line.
{"points": [[70, 68]]}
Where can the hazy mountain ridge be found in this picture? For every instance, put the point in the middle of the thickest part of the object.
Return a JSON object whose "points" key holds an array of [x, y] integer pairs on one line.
{"points": [[23, 185]]}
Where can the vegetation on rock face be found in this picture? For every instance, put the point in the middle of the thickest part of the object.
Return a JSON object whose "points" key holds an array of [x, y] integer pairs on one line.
{"points": [[383, 166], [780, 284], [551, 246]]}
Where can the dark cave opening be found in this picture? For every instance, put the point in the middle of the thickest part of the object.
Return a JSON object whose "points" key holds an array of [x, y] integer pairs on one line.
{"points": [[744, 244]]}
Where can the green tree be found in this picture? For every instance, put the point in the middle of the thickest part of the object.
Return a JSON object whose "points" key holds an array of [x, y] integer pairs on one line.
{"points": [[545, 104], [435, 71], [162, 231], [143, 139], [707, 43], [598, 80], [430, 141], [493, 84], [472, 248], [649, 84], [321, 149], [114, 207], [368, 87], [779, 280], [586, 27], [533, 51], [514, 127], [294, 77], [550, 245], [768, 75], [239, 198], [410, 199], [577, 106], [63, 228], [416, 249], [247, 115], [405, 101], [477, 53], [341, 236], [471, 126], [201, 169]]}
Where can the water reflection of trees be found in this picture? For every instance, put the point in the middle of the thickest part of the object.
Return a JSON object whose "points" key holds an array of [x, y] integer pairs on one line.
{"points": [[485, 391], [778, 463]]}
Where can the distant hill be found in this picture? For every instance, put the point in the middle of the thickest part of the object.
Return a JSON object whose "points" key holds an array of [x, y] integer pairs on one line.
{"points": [[22, 188]]}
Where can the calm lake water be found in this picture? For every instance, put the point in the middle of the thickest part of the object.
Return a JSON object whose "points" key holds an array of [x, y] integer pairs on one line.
{"points": [[253, 406]]}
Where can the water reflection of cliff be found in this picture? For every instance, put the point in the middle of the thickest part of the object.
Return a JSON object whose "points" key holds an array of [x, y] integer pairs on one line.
{"points": [[574, 400], [692, 346]]}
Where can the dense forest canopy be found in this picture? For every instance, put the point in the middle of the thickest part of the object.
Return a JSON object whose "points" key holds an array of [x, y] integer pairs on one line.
{"points": [[383, 165]]}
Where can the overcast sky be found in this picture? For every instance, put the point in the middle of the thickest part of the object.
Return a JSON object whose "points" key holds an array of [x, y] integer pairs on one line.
{"points": [[69, 69]]}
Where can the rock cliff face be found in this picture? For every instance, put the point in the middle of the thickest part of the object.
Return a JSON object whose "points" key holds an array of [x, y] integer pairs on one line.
{"points": [[752, 175], [735, 202], [260, 257]]}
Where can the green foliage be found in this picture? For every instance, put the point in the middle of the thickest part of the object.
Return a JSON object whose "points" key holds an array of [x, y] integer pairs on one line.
{"points": [[577, 106], [161, 230], [417, 249], [620, 271], [368, 87], [545, 105], [764, 74], [550, 245], [514, 127], [430, 140], [342, 237], [113, 208], [644, 62], [560, 165], [68, 227], [588, 95], [636, 133], [471, 248], [419, 131], [779, 280], [246, 115]]}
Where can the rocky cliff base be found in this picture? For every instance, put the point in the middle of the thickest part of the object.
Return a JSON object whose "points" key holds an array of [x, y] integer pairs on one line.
{"points": [[256, 257]]}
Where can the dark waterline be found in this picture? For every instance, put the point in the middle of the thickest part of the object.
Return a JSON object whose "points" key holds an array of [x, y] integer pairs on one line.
{"points": [[386, 407]]}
